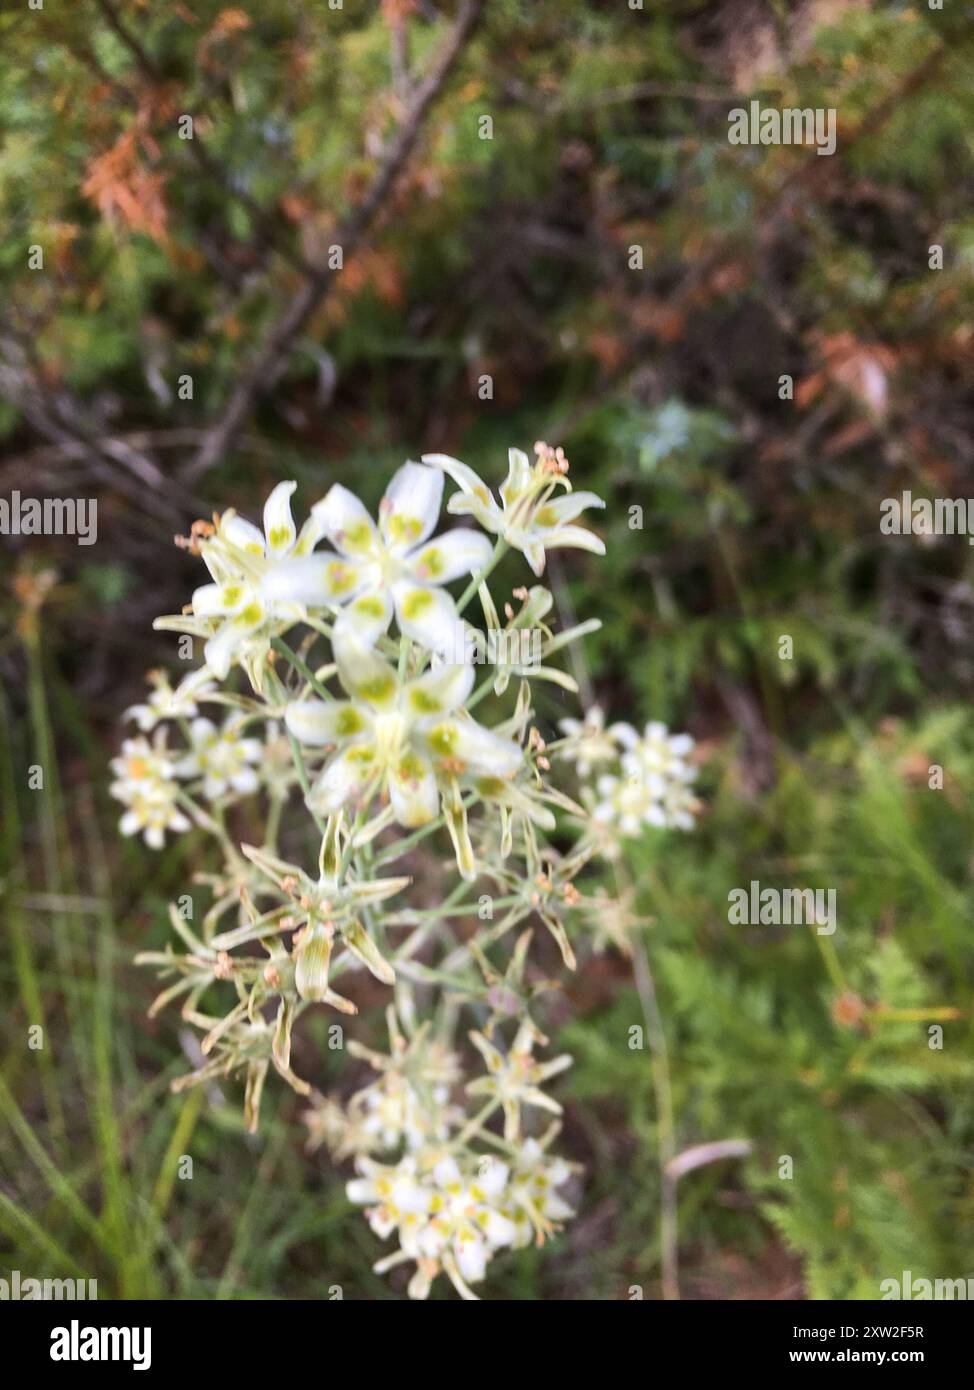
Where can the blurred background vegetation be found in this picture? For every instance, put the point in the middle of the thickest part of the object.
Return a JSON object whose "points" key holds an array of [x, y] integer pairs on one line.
{"points": [[513, 257]]}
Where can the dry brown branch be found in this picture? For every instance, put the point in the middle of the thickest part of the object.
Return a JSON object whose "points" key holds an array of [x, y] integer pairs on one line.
{"points": [[271, 357]]}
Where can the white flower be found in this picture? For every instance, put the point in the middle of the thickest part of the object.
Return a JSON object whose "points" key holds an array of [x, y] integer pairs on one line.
{"points": [[528, 519], [144, 783], [405, 739], [658, 753], [396, 1191], [447, 1217], [235, 613], [166, 703], [393, 1114], [536, 1207], [221, 757], [410, 1102], [390, 567], [588, 741], [680, 806], [517, 1078], [466, 1223], [629, 803], [652, 786]]}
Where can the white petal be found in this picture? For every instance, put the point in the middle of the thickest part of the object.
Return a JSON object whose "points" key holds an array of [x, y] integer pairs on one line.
{"points": [[472, 1258], [309, 536], [446, 1172], [493, 1177], [555, 1209], [202, 730], [412, 792], [535, 556], [498, 1229], [364, 674], [490, 517], [365, 619], [464, 743], [320, 722], [216, 600], [242, 533], [245, 781], [419, 1285], [518, 474], [345, 780], [279, 527], [449, 556], [219, 650], [429, 617], [410, 509], [567, 508], [575, 536], [192, 686], [345, 521], [439, 691], [318, 581], [464, 477], [624, 734]]}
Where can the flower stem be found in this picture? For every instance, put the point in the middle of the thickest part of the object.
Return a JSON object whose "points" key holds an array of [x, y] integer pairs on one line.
{"points": [[500, 549], [302, 669]]}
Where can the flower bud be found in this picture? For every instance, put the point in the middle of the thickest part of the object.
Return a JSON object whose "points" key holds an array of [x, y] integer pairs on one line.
{"points": [[360, 944]]}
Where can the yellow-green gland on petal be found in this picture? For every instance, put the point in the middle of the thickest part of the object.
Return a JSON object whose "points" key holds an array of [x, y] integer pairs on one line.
{"points": [[312, 958]]}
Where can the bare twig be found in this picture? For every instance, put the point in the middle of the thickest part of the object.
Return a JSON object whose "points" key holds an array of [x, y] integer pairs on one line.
{"points": [[701, 1154], [55, 415], [282, 335]]}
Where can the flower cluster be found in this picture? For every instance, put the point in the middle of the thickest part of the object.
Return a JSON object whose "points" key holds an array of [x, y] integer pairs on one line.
{"points": [[145, 781], [346, 694], [452, 1213], [641, 779], [158, 783], [450, 1202]]}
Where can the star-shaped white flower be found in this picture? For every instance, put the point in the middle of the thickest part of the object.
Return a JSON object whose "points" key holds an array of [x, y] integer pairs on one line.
{"points": [[657, 753], [222, 757], [394, 566], [144, 783], [446, 1217], [588, 741], [407, 739], [538, 1209], [166, 703], [234, 612], [516, 1079], [529, 518]]}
